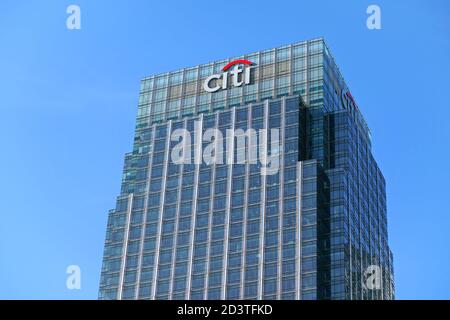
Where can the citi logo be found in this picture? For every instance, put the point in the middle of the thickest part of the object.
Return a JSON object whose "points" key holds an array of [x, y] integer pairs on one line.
{"points": [[348, 101], [237, 76]]}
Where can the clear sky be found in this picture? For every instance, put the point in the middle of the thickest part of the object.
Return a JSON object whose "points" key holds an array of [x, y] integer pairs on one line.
{"points": [[68, 101]]}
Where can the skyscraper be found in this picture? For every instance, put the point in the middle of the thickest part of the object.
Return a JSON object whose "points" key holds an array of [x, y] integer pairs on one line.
{"points": [[250, 178]]}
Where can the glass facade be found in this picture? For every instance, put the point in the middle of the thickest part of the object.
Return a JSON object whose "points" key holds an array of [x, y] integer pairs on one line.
{"points": [[224, 230]]}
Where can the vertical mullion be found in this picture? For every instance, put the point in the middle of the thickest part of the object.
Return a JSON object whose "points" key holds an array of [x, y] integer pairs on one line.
{"points": [[211, 209], [125, 246], [161, 210], [263, 208], [281, 193], [197, 162], [144, 222], [299, 202], [177, 217]]}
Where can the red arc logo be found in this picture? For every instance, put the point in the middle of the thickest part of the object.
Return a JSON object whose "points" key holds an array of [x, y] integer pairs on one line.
{"points": [[239, 61]]}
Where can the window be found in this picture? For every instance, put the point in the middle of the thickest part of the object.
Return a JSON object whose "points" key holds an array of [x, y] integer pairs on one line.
{"points": [[270, 286], [234, 276], [283, 81], [241, 115], [220, 187], [146, 275], [161, 81], [253, 212], [236, 230], [250, 290], [283, 54], [190, 74], [253, 227], [238, 184], [215, 279], [233, 292], [267, 57]]}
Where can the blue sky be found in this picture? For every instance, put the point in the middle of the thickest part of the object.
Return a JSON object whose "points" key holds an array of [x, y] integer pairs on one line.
{"points": [[68, 101]]}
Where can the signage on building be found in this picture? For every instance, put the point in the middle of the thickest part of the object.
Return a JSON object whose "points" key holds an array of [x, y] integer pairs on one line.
{"points": [[348, 101], [232, 75]]}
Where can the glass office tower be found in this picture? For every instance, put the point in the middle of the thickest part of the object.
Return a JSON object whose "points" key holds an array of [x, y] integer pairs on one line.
{"points": [[314, 228]]}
